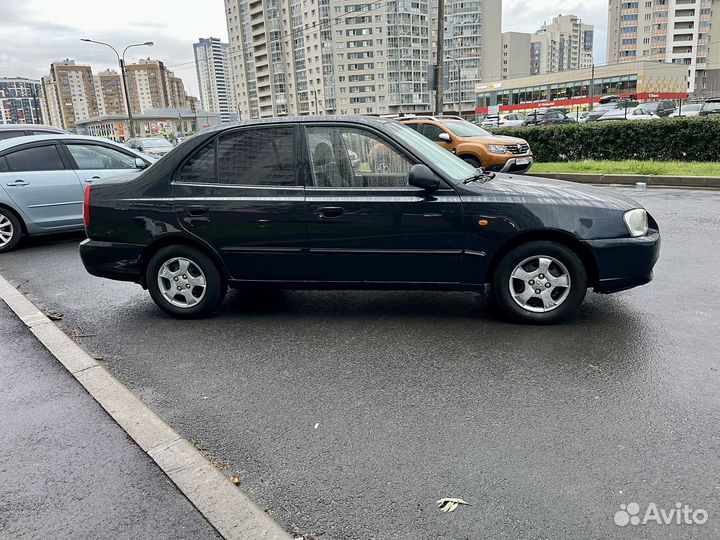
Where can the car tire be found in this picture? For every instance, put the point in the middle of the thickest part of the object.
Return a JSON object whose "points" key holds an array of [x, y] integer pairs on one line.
{"points": [[184, 282], [472, 161], [10, 230], [519, 276]]}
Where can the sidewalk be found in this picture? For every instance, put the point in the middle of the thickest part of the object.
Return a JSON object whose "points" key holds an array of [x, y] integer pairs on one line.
{"points": [[67, 470]]}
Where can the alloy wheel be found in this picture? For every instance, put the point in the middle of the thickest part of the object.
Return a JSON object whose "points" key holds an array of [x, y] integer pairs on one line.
{"points": [[540, 283], [182, 282], [6, 230]]}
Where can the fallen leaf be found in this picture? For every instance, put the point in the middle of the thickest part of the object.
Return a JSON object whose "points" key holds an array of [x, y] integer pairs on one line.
{"points": [[450, 504]]}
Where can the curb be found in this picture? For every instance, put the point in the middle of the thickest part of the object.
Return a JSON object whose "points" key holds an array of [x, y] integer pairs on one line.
{"points": [[711, 182], [223, 504]]}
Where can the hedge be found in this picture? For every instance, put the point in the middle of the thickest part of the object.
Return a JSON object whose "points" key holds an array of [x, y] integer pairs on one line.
{"points": [[668, 139]]}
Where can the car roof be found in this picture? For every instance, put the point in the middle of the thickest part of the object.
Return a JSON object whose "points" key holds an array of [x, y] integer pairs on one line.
{"points": [[355, 119], [32, 127], [17, 141]]}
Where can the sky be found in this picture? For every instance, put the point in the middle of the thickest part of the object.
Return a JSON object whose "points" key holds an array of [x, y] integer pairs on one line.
{"points": [[34, 33]]}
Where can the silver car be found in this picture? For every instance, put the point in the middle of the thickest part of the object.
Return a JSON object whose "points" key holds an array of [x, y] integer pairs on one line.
{"points": [[155, 147], [43, 179]]}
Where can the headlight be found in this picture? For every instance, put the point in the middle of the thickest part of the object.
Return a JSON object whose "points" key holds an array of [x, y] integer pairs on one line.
{"points": [[497, 148], [636, 221]]}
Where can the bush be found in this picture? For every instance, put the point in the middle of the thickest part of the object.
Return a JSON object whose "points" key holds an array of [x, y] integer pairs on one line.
{"points": [[680, 139]]}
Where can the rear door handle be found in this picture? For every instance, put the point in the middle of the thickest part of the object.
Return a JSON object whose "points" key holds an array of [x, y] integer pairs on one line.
{"points": [[18, 182], [90, 180], [197, 210], [330, 212]]}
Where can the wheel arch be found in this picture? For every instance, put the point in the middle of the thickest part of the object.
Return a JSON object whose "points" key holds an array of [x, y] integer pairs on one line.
{"points": [[550, 235], [17, 214], [174, 240]]}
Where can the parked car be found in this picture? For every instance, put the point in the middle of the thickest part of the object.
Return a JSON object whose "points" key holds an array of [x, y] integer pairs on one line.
{"points": [[634, 114], [600, 110], [474, 145], [155, 147], [268, 204], [660, 108], [511, 120], [547, 117], [583, 117], [9, 131], [710, 107], [42, 179], [690, 109]]}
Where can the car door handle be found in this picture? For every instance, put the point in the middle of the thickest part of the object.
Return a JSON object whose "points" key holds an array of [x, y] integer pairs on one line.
{"points": [[330, 212], [197, 210], [18, 182], [89, 180]]}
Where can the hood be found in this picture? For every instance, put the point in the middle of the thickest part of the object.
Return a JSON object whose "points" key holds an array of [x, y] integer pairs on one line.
{"points": [[518, 188], [158, 151], [496, 139]]}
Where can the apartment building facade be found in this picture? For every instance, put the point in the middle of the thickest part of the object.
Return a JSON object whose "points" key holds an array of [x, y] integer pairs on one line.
{"points": [[68, 94], [674, 31], [215, 79], [345, 57], [20, 101], [565, 44], [71, 92], [515, 54]]}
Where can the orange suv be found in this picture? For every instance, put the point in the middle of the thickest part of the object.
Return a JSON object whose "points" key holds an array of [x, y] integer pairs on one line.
{"points": [[473, 144]]}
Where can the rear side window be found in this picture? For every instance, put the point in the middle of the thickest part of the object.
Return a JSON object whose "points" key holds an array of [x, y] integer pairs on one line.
{"points": [[200, 168], [39, 158], [258, 157]]}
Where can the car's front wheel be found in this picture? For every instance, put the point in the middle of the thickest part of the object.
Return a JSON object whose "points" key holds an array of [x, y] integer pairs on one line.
{"points": [[539, 282], [10, 230], [184, 282]]}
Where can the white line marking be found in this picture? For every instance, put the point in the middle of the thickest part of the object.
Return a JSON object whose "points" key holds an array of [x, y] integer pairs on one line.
{"points": [[228, 509]]}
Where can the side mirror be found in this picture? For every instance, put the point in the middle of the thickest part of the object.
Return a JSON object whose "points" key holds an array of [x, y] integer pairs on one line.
{"points": [[140, 163], [444, 137], [422, 177]]}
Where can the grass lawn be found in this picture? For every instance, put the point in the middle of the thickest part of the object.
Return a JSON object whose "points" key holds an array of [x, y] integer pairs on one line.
{"points": [[663, 168]]}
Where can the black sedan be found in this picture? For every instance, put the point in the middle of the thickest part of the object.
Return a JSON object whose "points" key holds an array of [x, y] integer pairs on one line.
{"points": [[300, 203]]}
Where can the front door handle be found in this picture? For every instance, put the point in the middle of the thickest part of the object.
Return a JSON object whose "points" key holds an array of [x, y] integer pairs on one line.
{"points": [[330, 212], [196, 210], [18, 182], [90, 180]]}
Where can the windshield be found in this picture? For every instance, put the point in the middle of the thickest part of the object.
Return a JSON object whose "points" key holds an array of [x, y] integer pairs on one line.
{"points": [[461, 128], [155, 143], [453, 167]]}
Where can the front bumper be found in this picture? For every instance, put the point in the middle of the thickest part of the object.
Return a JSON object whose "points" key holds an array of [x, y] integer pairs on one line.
{"points": [[624, 263], [511, 166], [122, 262]]}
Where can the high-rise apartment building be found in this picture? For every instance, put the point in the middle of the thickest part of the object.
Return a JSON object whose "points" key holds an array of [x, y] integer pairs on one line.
{"points": [[20, 101], [215, 79], [563, 45], [346, 57], [676, 31], [472, 48], [68, 94], [71, 92], [515, 54]]}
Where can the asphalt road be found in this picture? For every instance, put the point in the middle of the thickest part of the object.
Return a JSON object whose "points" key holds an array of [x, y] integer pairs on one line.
{"points": [[417, 396], [66, 469]]}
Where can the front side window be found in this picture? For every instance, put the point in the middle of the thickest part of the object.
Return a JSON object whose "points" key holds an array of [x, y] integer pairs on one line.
{"points": [[90, 156], [431, 131], [258, 157], [355, 158], [39, 158]]}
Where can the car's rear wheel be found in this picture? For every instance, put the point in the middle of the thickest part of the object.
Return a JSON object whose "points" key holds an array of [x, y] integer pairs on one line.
{"points": [[472, 161], [539, 282], [184, 282], [10, 230]]}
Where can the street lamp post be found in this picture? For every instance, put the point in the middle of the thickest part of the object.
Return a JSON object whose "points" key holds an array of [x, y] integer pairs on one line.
{"points": [[123, 74]]}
